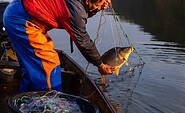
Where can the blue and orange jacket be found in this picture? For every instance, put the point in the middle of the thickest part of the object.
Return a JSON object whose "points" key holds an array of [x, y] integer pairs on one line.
{"points": [[70, 15]]}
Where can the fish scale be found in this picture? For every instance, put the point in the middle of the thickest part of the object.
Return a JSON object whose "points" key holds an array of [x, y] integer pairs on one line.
{"points": [[116, 57]]}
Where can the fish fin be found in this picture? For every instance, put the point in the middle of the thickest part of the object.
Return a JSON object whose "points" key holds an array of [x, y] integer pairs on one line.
{"points": [[126, 62], [117, 71], [103, 79]]}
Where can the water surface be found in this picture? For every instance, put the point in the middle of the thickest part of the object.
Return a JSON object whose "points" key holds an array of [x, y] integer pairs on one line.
{"points": [[157, 30]]}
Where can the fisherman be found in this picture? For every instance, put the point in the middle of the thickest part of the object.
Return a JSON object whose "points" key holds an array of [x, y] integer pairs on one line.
{"points": [[27, 23]]}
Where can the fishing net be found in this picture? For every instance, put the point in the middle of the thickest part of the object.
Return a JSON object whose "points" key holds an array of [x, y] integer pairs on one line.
{"points": [[110, 33], [50, 102]]}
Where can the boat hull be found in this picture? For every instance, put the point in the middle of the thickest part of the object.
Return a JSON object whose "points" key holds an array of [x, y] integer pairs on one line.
{"points": [[75, 82]]}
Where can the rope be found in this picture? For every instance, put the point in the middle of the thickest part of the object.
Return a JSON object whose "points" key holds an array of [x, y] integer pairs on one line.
{"points": [[95, 41], [99, 26], [83, 81], [117, 21]]}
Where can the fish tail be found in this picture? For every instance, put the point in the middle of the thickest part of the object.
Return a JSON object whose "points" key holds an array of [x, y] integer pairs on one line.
{"points": [[103, 80]]}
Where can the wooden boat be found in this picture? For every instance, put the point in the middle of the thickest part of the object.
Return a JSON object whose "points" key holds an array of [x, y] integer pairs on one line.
{"points": [[73, 83], [75, 80]]}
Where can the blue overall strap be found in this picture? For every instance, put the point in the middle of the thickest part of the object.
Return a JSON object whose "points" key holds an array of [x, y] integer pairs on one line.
{"points": [[34, 49]]}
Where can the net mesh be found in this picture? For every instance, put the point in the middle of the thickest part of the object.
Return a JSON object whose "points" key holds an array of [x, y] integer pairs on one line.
{"points": [[50, 102]]}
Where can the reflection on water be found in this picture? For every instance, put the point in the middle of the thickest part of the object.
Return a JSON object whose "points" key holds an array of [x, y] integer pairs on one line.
{"points": [[157, 28], [165, 19], [167, 52]]}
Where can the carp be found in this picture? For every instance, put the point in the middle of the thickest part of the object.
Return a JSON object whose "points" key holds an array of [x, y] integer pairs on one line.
{"points": [[116, 57]]}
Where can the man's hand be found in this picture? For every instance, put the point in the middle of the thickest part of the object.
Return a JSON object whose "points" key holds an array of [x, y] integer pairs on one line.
{"points": [[106, 4], [105, 69]]}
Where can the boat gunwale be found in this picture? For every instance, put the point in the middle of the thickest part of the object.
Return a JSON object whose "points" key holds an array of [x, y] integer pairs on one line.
{"points": [[75, 70]]}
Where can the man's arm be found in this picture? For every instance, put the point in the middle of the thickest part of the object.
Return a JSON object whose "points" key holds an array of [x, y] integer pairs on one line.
{"points": [[78, 20]]}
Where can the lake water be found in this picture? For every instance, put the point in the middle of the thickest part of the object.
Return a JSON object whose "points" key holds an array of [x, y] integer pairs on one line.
{"points": [[156, 28]]}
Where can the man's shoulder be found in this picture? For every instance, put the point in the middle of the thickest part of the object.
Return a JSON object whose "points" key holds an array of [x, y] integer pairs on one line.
{"points": [[76, 8]]}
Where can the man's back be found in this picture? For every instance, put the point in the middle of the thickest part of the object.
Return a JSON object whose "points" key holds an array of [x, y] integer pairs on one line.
{"points": [[49, 12]]}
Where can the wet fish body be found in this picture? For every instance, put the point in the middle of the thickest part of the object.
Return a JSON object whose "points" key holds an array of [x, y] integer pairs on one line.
{"points": [[116, 57]]}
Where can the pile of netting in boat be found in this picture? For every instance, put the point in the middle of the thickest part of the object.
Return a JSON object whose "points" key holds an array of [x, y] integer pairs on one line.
{"points": [[50, 102]]}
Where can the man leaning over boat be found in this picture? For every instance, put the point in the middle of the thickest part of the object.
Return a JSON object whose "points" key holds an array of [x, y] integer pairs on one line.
{"points": [[27, 23]]}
